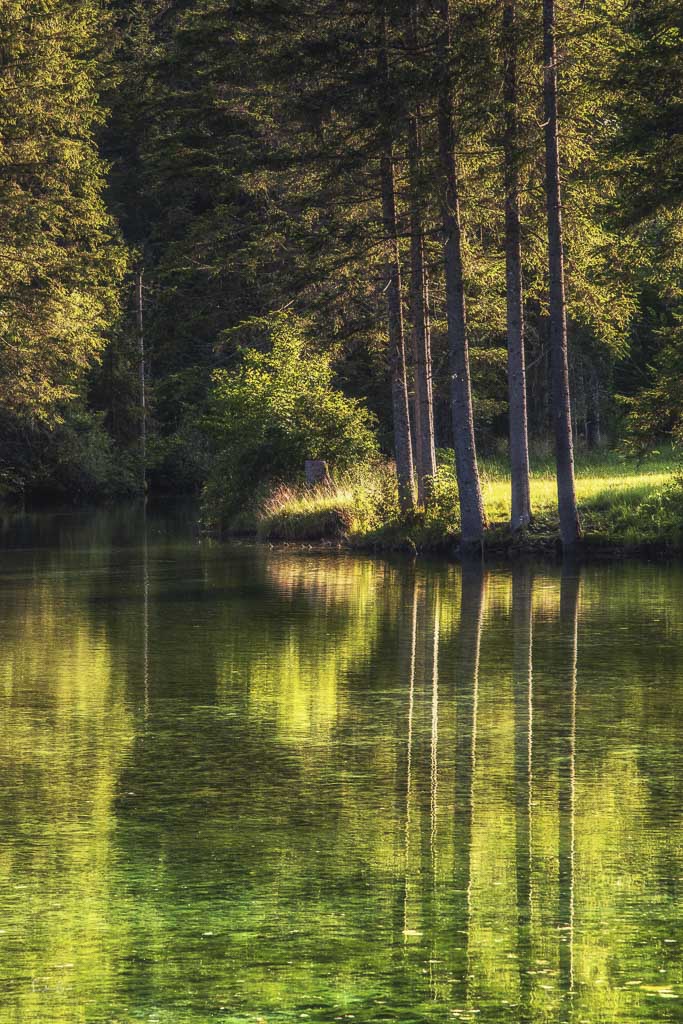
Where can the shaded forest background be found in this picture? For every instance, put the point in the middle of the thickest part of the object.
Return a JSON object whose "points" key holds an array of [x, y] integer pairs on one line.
{"points": [[172, 170]]}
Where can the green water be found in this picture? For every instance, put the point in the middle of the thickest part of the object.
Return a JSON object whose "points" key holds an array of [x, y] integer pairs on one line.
{"points": [[258, 785]]}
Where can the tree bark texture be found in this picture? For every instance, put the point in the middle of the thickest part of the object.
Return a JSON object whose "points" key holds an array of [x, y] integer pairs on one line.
{"points": [[425, 447], [139, 300], [472, 520], [561, 412], [519, 440], [397, 358]]}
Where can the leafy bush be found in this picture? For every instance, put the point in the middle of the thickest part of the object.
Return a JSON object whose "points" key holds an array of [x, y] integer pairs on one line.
{"points": [[275, 410], [177, 446], [74, 459], [640, 517]]}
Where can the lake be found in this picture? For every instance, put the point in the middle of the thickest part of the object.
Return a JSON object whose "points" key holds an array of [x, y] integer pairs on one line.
{"points": [[252, 785]]}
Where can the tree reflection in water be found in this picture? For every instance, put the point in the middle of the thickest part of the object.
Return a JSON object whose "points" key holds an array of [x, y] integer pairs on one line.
{"points": [[290, 784]]}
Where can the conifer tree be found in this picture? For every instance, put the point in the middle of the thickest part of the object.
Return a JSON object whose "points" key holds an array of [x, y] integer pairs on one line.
{"points": [[564, 442], [60, 260], [519, 441], [472, 519], [397, 358], [425, 448]]}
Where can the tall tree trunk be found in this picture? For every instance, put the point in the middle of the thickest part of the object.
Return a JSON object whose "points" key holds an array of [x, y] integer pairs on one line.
{"points": [[397, 356], [425, 447], [570, 531], [139, 297], [472, 519], [519, 440]]}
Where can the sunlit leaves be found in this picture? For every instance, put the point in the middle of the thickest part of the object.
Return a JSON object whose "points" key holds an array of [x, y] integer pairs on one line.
{"points": [[60, 263]]}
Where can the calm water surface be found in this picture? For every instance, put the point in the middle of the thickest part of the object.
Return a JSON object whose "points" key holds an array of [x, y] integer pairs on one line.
{"points": [[257, 785]]}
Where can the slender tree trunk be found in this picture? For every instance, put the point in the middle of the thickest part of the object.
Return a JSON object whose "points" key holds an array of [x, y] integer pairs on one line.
{"points": [[519, 440], [564, 443], [142, 372], [425, 447], [397, 355], [472, 519], [593, 427]]}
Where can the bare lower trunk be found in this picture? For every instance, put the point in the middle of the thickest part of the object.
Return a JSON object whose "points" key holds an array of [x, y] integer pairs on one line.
{"points": [[142, 373], [519, 441], [472, 519], [425, 448], [397, 357], [564, 442], [422, 350], [593, 426]]}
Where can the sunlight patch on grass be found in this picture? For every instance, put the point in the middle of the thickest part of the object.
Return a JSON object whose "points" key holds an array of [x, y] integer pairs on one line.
{"points": [[621, 504]]}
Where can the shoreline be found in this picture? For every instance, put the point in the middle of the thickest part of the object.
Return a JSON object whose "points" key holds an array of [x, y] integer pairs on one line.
{"points": [[625, 511], [497, 550]]}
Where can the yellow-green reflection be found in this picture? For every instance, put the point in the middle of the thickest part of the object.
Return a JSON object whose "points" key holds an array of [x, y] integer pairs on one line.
{"points": [[66, 731], [253, 785]]}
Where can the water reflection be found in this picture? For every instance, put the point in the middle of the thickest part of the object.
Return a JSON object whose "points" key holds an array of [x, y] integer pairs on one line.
{"points": [[567, 669], [523, 690], [249, 785]]}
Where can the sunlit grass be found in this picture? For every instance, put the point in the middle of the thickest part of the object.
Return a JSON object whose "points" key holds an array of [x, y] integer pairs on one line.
{"points": [[291, 513], [601, 482], [621, 503]]}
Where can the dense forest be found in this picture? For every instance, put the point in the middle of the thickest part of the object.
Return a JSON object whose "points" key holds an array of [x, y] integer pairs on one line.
{"points": [[238, 234]]}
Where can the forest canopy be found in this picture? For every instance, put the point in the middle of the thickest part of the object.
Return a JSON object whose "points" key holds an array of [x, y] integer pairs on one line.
{"points": [[475, 206]]}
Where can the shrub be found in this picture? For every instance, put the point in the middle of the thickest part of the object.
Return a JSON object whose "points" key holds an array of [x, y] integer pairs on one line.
{"points": [[275, 410], [73, 459], [177, 447]]}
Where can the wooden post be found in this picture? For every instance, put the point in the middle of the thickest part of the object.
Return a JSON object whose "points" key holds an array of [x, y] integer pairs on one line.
{"points": [[317, 473]]}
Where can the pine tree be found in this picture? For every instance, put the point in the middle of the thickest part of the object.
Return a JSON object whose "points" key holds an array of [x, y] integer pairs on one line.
{"points": [[519, 441], [564, 443], [397, 358], [425, 447], [60, 260], [472, 519]]}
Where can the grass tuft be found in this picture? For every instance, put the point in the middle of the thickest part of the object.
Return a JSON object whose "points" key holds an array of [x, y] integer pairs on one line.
{"points": [[298, 514]]}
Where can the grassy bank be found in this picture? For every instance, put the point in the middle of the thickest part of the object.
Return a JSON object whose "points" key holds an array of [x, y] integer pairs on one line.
{"points": [[625, 505]]}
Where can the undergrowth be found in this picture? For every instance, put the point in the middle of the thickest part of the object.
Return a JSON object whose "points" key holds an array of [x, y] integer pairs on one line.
{"points": [[623, 504]]}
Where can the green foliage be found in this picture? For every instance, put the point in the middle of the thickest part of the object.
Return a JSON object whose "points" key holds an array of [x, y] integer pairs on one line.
{"points": [[363, 499], [296, 514], [236, 148], [82, 461], [624, 505], [656, 412], [60, 262], [640, 518], [646, 77], [73, 459], [178, 454], [278, 408]]}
